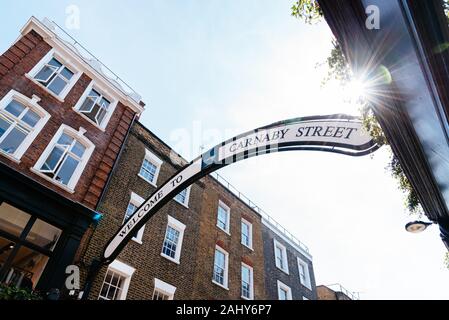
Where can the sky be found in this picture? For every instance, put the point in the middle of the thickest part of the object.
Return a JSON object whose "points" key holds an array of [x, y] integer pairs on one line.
{"points": [[210, 69]]}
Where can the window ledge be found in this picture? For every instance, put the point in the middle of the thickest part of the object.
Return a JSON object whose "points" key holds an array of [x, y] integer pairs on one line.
{"points": [[170, 258], [89, 120], [283, 270], [150, 182], [44, 87], [250, 248], [10, 157], [245, 298], [220, 285], [225, 231], [40, 174], [139, 241], [183, 204]]}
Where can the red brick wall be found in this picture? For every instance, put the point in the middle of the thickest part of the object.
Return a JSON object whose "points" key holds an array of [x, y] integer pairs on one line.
{"points": [[14, 64], [210, 235]]}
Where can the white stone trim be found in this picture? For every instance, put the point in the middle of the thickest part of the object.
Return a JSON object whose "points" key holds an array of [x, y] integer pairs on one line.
{"points": [[308, 283], [225, 285], [33, 105], [179, 226], [156, 161], [251, 278], [281, 285], [165, 288], [284, 255], [124, 270], [250, 234], [228, 223]]}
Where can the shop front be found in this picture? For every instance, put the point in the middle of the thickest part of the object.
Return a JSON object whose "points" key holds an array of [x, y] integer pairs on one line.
{"points": [[40, 232]]}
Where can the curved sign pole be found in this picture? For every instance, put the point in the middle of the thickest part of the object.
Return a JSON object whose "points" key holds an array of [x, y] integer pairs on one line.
{"points": [[336, 133]]}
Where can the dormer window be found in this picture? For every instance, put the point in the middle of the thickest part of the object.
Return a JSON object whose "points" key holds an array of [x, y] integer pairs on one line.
{"points": [[54, 76], [96, 106]]}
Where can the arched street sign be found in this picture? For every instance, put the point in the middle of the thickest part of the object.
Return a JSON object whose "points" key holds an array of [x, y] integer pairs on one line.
{"points": [[336, 133]]}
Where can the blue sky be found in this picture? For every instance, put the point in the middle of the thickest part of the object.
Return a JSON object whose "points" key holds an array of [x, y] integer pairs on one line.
{"points": [[211, 69]]}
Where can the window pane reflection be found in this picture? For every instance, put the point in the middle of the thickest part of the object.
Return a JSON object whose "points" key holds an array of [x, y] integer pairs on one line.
{"points": [[44, 235]]}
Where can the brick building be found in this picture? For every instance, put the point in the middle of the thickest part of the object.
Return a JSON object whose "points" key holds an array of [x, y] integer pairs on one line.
{"points": [[70, 139], [62, 124], [177, 254], [288, 264]]}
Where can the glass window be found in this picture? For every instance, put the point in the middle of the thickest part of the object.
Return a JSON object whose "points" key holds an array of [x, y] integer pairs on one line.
{"points": [[220, 266], [148, 170], [283, 294], [246, 233], [26, 268], [63, 159], [247, 282], [12, 220], [54, 75], [44, 235], [279, 258], [223, 218], [112, 286], [95, 106], [182, 196], [16, 123], [170, 242], [159, 295], [20, 265]]}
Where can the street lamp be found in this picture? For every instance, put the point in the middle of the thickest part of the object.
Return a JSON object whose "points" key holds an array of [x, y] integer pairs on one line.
{"points": [[417, 226]]}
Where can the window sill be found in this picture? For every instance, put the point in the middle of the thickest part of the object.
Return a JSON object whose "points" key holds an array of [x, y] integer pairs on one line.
{"points": [[250, 248], [90, 121], [40, 174], [283, 270], [44, 87], [170, 258], [10, 157], [225, 231], [150, 182], [245, 298], [139, 241], [220, 285], [182, 204]]}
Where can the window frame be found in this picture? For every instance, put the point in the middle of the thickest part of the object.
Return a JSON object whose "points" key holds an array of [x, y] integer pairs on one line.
{"points": [[250, 230], [137, 201], [31, 104], [284, 256], [104, 94], [283, 286], [64, 61], [124, 270], [77, 135], [180, 227], [251, 279], [186, 202], [152, 158], [308, 282], [225, 284], [228, 217], [164, 288]]}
